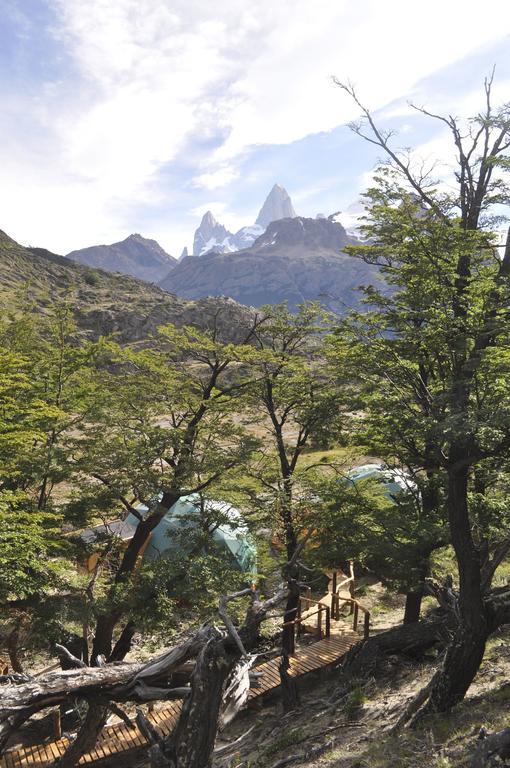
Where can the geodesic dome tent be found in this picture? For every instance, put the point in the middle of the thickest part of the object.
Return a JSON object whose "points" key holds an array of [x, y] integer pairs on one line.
{"points": [[395, 481], [230, 535]]}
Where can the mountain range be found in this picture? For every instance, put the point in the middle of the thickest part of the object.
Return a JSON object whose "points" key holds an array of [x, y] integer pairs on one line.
{"points": [[294, 260], [106, 303], [282, 257]]}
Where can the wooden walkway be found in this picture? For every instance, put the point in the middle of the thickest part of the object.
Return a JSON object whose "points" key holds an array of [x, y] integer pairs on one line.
{"points": [[307, 659], [120, 739], [322, 618], [114, 740]]}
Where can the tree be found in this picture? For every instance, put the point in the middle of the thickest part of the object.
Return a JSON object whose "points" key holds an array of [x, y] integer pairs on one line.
{"points": [[444, 339], [45, 390], [163, 428], [299, 403], [386, 532]]}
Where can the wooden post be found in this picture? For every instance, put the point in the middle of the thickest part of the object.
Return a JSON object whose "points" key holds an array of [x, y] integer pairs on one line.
{"points": [[319, 622], [351, 584], [328, 621], [366, 626], [355, 617], [57, 724], [298, 626], [334, 581]]}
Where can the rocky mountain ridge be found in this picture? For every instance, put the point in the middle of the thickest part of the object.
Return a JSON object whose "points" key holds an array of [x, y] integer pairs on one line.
{"points": [[105, 303], [136, 255], [294, 260], [211, 236]]}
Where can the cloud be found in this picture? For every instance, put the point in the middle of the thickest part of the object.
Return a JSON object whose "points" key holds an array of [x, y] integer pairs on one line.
{"points": [[138, 90]]}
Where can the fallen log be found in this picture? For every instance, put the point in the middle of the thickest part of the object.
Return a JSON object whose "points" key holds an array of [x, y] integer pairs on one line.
{"points": [[110, 683], [491, 750], [412, 640]]}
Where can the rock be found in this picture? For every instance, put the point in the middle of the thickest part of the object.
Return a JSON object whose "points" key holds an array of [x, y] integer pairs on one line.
{"points": [[294, 260]]}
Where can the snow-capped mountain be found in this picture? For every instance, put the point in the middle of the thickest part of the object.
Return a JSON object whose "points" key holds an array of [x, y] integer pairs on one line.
{"points": [[213, 237], [246, 236], [278, 205]]}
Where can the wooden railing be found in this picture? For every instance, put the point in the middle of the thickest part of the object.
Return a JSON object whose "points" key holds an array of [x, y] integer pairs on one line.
{"points": [[355, 608], [347, 581], [304, 614]]}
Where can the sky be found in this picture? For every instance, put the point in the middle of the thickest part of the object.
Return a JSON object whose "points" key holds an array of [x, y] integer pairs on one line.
{"points": [[122, 116]]}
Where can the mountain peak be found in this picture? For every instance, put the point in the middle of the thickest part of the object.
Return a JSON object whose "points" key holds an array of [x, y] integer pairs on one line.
{"points": [[278, 205], [211, 236], [136, 255], [208, 220]]}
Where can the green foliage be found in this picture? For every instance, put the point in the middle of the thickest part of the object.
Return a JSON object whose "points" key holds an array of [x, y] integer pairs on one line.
{"points": [[296, 403], [354, 701], [411, 354], [28, 541]]}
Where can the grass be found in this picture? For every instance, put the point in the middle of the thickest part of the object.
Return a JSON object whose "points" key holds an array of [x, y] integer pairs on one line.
{"points": [[354, 701], [286, 739]]}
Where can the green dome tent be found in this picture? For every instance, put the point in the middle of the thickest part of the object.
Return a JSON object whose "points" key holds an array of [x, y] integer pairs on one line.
{"points": [[395, 481], [229, 532]]}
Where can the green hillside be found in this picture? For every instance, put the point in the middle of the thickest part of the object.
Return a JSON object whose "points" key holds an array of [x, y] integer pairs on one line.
{"points": [[104, 302]]}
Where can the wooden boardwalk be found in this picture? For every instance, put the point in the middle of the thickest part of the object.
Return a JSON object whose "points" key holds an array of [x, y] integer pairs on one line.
{"points": [[119, 739], [307, 659], [114, 740], [322, 618]]}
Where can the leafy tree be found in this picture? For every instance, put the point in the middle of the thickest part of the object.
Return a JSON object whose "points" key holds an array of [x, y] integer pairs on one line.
{"points": [[389, 534], [438, 344], [164, 427], [44, 387], [295, 402]]}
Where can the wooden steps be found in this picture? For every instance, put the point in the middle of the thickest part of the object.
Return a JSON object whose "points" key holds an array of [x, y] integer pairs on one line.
{"points": [[309, 659], [118, 739], [115, 739]]}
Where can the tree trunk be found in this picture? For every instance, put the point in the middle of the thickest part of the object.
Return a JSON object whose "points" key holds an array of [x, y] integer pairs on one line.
{"points": [[413, 606], [290, 691], [465, 654], [413, 599], [86, 737], [103, 636], [13, 647], [123, 644], [192, 742], [106, 623]]}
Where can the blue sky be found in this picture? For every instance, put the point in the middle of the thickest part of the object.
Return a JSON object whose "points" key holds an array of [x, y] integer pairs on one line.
{"points": [[123, 116]]}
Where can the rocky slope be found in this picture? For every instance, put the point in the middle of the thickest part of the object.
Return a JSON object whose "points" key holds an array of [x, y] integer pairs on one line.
{"points": [[296, 259], [136, 255], [106, 303]]}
